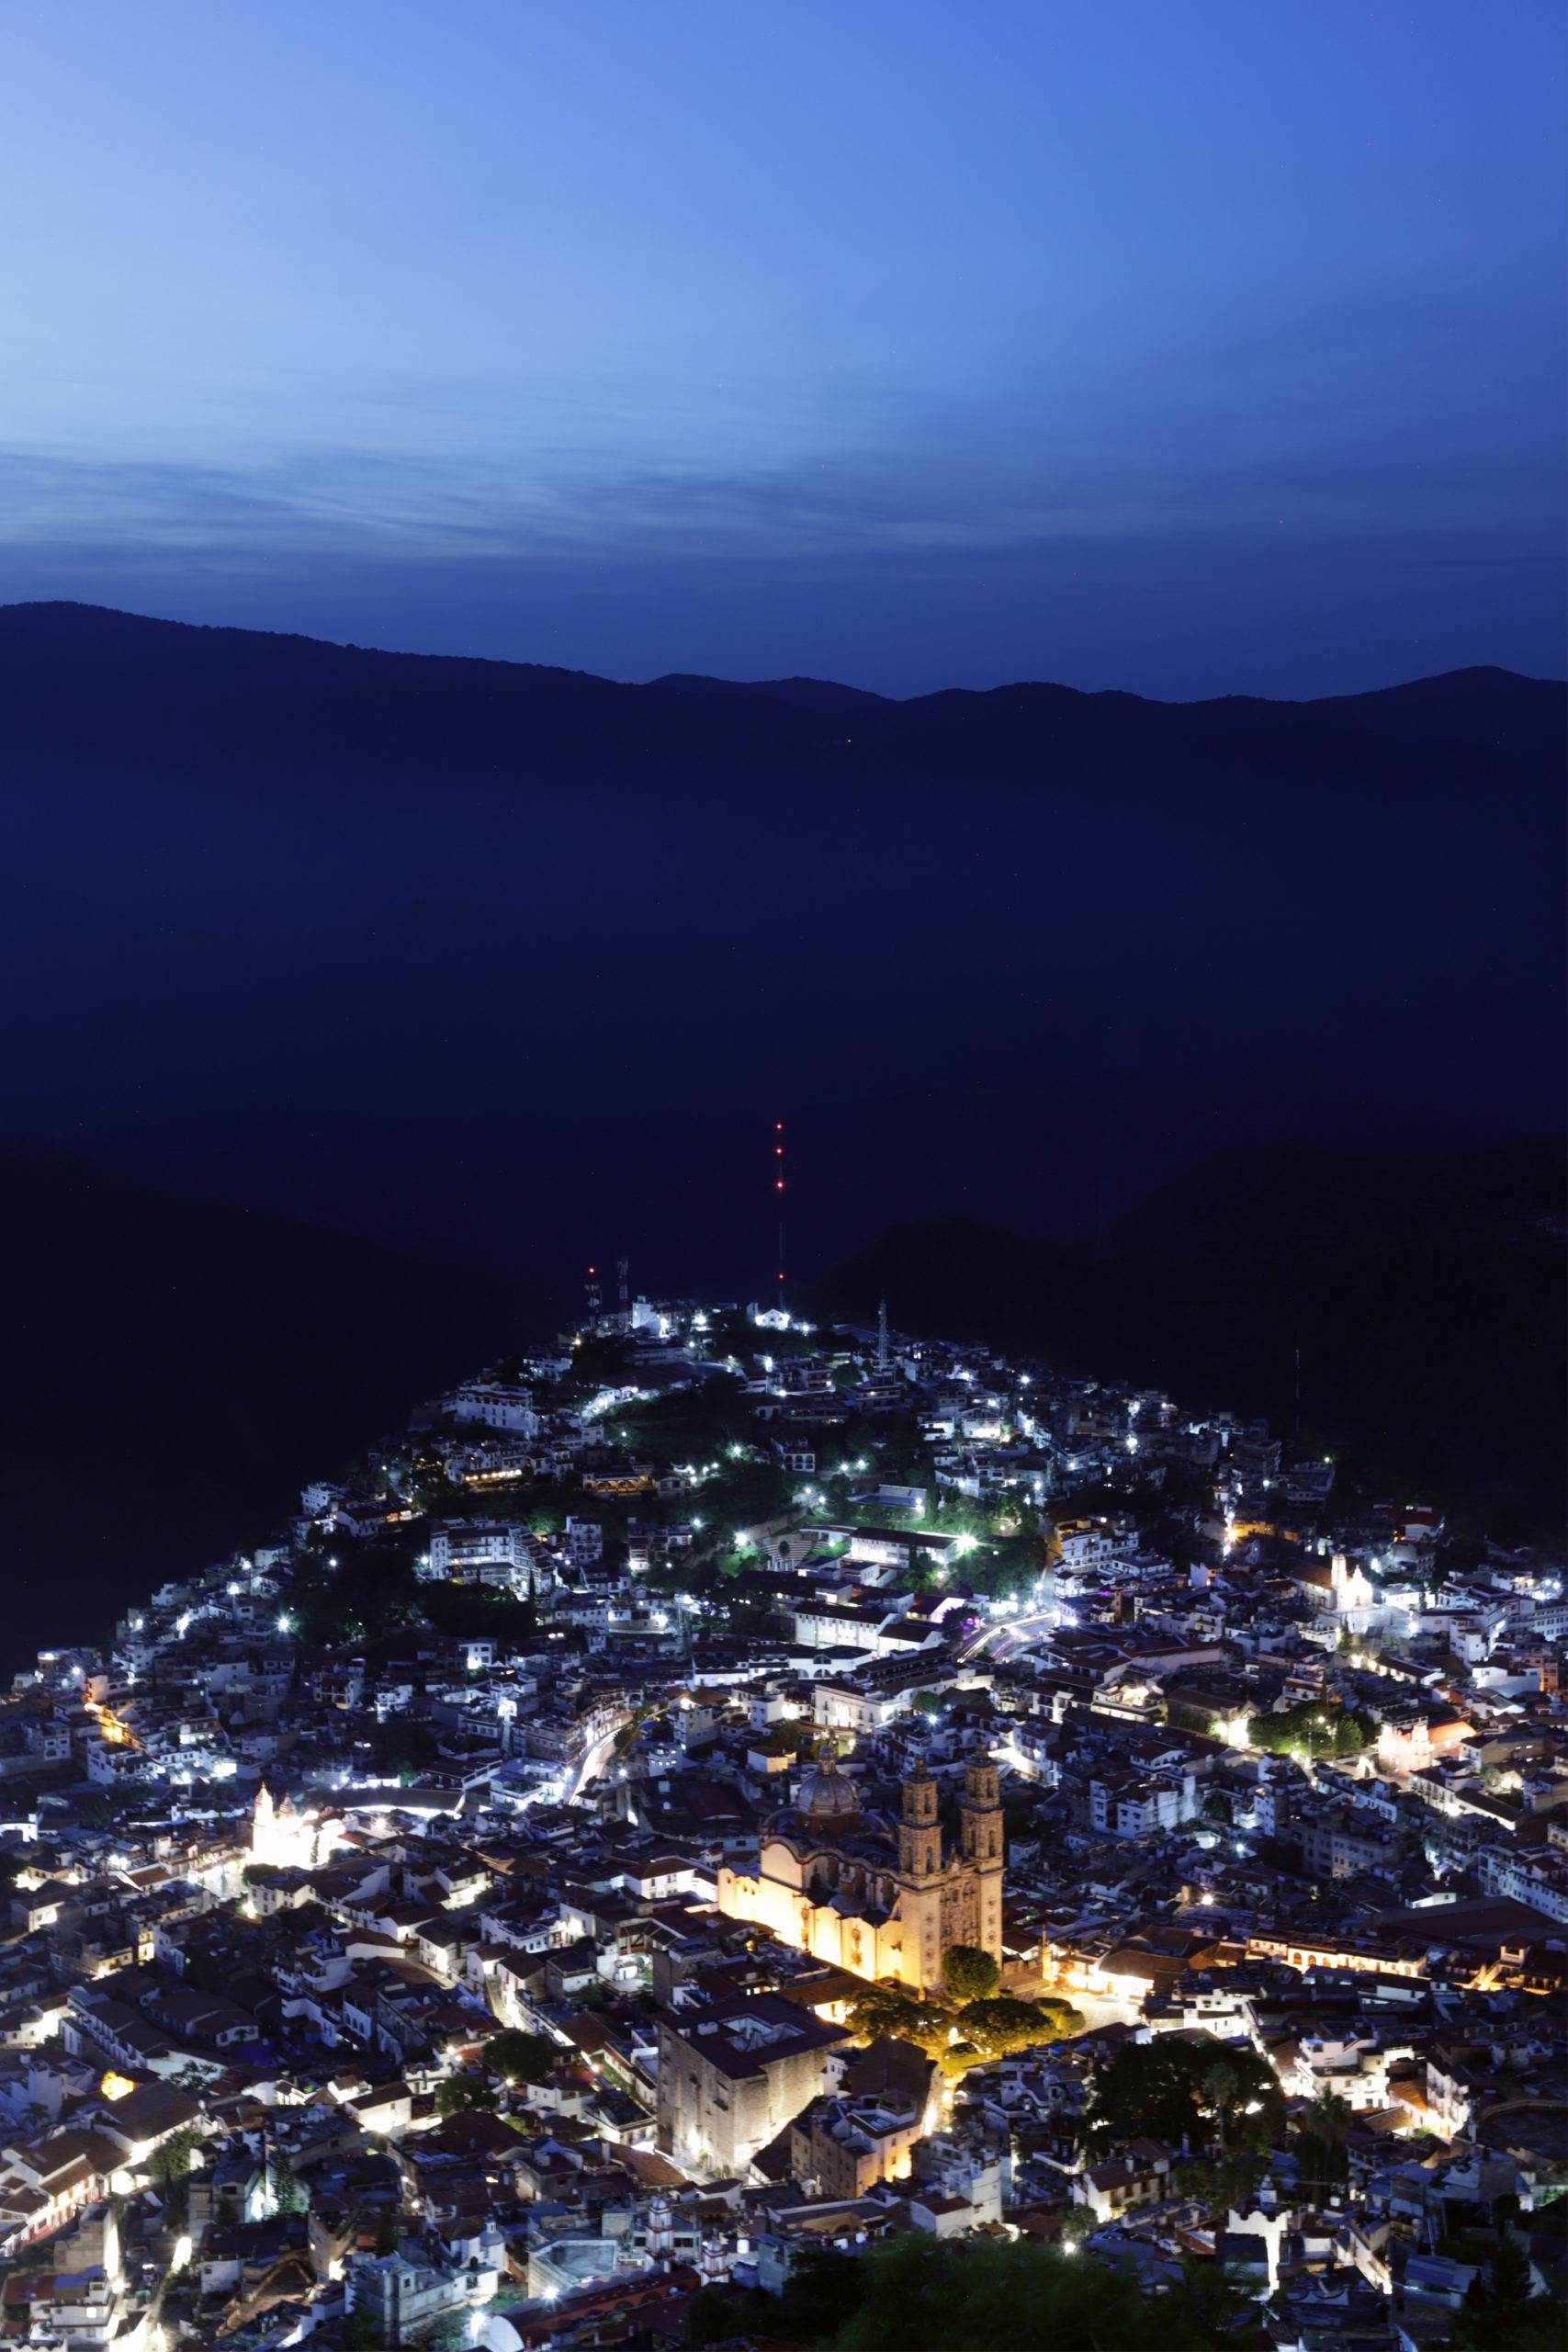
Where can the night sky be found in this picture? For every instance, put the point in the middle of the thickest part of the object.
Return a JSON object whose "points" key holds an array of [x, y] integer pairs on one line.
{"points": [[1187, 350]]}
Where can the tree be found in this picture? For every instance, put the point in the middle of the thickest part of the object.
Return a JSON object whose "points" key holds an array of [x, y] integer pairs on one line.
{"points": [[1216, 2186], [968, 1973], [921, 2295], [1220, 2084], [1323, 2124], [713, 2315], [477, 1609], [448, 2333], [360, 2332], [1315, 1727], [170, 2160], [462, 2094], [822, 2285], [388, 2229], [1243, 2099], [401, 1744], [1186, 2085], [169, 2166], [1507, 2289], [1002, 2023], [905, 2017], [521, 2057], [1501, 2313], [287, 2186]]}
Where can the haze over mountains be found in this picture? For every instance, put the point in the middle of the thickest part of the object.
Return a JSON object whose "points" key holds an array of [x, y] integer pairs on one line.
{"points": [[515, 966], [505, 970]]}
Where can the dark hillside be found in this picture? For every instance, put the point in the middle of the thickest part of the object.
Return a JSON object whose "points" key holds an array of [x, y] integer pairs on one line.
{"points": [[175, 1370], [1426, 1298], [493, 961]]}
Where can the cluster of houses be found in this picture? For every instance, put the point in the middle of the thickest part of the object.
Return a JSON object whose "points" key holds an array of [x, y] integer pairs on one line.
{"points": [[505, 1982]]}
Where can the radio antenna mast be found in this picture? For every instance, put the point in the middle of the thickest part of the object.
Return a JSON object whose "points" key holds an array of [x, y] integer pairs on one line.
{"points": [[778, 1198]]}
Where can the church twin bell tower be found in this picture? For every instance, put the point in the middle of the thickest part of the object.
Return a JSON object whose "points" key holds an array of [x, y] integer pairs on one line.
{"points": [[982, 1813], [874, 1895], [955, 1899], [919, 1835]]}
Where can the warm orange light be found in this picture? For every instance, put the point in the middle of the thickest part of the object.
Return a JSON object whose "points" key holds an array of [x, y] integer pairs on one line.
{"points": [[116, 1734]]}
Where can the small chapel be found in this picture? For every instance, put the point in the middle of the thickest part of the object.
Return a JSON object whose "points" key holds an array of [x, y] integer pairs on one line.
{"points": [[883, 1898], [284, 1839]]}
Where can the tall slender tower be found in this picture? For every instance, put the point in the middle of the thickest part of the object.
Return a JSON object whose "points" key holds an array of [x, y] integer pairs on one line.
{"points": [[920, 1832], [660, 2232], [779, 1197], [984, 1848], [919, 1882], [881, 1337], [623, 1268]]}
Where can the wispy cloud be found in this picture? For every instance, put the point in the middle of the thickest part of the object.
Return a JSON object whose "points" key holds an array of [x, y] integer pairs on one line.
{"points": [[1351, 422]]}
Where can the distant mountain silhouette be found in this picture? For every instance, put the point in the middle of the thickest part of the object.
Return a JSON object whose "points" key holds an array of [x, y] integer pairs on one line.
{"points": [[174, 1372], [1425, 1297], [79, 679], [518, 967]]}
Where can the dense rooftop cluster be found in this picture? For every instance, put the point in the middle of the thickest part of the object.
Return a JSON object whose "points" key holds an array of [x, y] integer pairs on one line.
{"points": [[724, 1829]]}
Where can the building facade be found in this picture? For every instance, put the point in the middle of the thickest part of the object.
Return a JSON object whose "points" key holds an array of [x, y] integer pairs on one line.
{"points": [[881, 1898], [730, 2079]]}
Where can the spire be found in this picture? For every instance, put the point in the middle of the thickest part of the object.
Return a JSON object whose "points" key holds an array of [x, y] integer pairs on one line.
{"points": [[881, 1337]]}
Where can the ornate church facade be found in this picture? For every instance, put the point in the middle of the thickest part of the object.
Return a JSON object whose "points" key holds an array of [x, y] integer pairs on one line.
{"points": [[881, 1897], [284, 1838]]}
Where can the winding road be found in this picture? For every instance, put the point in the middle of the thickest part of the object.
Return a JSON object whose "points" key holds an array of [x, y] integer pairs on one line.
{"points": [[1010, 1634]]}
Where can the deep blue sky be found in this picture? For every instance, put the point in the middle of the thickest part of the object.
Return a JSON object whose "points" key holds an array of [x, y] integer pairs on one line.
{"points": [[1182, 348]]}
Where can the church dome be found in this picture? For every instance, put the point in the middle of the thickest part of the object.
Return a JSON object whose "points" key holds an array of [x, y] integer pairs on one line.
{"points": [[828, 1795]]}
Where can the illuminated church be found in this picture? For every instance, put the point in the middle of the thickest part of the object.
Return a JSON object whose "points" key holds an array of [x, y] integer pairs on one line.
{"points": [[871, 1895], [284, 1839]]}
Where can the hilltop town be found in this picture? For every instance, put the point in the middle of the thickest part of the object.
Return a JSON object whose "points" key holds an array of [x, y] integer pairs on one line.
{"points": [[719, 1808]]}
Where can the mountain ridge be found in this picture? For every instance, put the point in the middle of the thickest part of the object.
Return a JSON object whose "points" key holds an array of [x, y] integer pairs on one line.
{"points": [[77, 677]]}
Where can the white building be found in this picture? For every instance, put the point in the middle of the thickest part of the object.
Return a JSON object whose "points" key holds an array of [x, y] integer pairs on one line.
{"points": [[500, 1404], [1128, 1804], [464, 1548]]}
